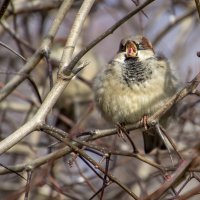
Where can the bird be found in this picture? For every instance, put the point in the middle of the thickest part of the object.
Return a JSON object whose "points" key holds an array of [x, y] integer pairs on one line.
{"points": [[136, 83]]}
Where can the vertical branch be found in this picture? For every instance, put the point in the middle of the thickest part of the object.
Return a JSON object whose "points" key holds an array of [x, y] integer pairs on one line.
{"points": [[28, 184], [74, 33], [105, 176], [66, 57]]}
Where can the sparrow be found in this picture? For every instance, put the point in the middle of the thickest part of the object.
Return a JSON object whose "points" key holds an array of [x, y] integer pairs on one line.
{"points": [[136, 83]]}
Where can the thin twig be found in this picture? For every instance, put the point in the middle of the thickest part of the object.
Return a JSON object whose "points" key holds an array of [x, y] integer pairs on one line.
{"points": [[37, 56], [172, 143], [99, 167], [52, 97], [4, 8], [12, 171], [16, 37], [90, 166], [171, 181], [50, 69], [187, 195], [87, 158], [198, 7], [157, 126], [28, 184], [169, 27], [31, 81], [121, 153], [105, 183], [109, 31], [13, 51]]}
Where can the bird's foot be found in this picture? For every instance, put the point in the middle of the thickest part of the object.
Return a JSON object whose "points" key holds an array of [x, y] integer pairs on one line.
{"points": [[121, 130]]}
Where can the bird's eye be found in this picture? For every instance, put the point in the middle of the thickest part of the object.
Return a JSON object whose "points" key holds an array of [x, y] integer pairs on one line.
{"points": [[140, 46]]}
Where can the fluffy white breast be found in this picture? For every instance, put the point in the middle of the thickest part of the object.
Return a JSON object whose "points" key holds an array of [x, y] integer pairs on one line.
{"points": [[145, 54], [120, 102]]}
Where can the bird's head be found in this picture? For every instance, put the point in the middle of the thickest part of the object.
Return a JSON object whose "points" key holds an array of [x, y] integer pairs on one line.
{"points": [[138, 47]]}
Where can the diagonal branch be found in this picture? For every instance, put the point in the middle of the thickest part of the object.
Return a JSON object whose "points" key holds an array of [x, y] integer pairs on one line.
{"points": [[172, 25], [170, 181], [4, 7], [104, 35], [32, 125], [37, 56]]}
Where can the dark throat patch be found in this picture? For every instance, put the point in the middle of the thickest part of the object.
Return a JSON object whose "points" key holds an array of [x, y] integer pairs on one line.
{"points": [[135, 72]]}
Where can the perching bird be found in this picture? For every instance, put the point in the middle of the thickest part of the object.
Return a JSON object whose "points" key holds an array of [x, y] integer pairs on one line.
{"points": [[135, 84]]}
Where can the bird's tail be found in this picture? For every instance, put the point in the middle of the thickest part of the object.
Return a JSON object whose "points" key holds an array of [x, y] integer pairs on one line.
{"points": [[152, 140]]}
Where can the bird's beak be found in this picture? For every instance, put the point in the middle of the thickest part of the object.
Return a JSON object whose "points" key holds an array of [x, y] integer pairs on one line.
{"points": [[131, 49]]}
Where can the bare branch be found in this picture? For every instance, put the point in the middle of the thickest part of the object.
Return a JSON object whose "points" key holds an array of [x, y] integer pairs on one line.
{"points": [[4, 7], [198, 6], [104, 35]]}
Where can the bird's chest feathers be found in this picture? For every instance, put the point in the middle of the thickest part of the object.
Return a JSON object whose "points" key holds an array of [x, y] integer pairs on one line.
{"points": [[136, 72], [130, 94]]}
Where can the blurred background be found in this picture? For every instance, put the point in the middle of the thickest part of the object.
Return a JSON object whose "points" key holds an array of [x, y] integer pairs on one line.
{"points": [[173, 28]]}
